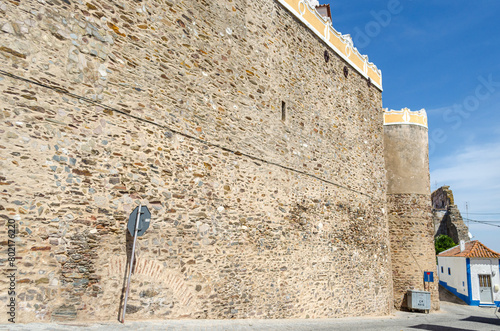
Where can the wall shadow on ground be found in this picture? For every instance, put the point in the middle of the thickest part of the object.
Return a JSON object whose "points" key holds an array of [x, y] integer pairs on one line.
{"points": [[484, 320], [433, 327]]}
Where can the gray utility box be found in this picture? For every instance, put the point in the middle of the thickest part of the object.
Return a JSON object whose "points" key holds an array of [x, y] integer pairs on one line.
{"points": [[419, 300]]}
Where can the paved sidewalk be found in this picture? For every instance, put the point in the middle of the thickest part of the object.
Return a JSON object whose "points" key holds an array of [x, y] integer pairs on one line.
{"points": [[452, 317]]}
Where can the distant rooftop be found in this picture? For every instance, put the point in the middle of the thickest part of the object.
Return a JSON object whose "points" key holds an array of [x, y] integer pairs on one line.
{"points": [[472, 249]]}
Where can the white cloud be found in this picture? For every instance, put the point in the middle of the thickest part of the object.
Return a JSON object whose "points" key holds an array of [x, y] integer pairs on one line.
{"points": [[437, 111], [477, 168], [474, 177]]}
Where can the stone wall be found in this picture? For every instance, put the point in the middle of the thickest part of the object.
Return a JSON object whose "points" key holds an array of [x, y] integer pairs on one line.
{"points": [[446, 216], [442, 198], [178, 106], [409, 209], [407, 160], [412, 246]]}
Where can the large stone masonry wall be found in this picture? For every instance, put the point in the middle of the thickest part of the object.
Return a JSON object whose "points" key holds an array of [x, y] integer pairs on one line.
{"points": [[178, 106], [412, 246], [409, 208]]}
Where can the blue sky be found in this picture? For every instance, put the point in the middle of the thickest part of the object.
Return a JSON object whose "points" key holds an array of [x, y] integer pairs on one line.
{"points": [[443, 56]]}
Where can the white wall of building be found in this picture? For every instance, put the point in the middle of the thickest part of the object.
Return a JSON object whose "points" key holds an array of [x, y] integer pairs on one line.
{"points": [[458, 269], [484, 267]]}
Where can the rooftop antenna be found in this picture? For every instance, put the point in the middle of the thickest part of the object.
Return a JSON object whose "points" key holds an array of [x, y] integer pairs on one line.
{"points": [[467, 212]]}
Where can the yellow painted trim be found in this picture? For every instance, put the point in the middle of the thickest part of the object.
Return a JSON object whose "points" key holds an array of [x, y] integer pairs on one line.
{"points": [[372, 74], [354, 58], [339, 43], [405, 116]]}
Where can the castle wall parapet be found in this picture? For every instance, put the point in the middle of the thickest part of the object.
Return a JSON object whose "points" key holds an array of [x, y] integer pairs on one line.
{"points": [[341, 44], [405, 116]]}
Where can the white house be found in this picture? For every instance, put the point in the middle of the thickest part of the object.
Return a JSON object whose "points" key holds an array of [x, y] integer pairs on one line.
{"points": [[471, 271]]}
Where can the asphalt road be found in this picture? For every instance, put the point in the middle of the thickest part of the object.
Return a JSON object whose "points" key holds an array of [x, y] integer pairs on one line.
{"points": [[452, 317]]}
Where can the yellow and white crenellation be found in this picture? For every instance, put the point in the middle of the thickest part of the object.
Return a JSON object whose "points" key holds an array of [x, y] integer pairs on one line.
{"points": [[305, 11], [405, 116]]}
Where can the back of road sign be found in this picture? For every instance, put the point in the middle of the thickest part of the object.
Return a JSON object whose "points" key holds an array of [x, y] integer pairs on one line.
{"points": [[144, 221]]}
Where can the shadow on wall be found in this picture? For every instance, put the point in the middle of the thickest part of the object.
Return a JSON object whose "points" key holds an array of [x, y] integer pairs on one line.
{"points": [[129, 243], [447, 296], [404, 303]]}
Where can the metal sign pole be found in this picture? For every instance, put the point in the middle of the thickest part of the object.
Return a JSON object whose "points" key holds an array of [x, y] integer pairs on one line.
{"points": [[131, 263]]}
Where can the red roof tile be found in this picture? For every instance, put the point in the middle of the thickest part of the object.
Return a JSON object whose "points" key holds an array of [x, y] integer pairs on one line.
{"points": [[472, 249]]}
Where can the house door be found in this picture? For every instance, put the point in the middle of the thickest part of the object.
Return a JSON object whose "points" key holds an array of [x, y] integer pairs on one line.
{"points": [[485, 294]]}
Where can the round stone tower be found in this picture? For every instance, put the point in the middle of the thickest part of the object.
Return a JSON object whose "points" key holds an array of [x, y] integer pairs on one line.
{"points": [[409, 203]]}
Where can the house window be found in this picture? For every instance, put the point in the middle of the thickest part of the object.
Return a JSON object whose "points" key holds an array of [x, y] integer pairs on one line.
{"points": [[449, 271], [442, 270]]}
